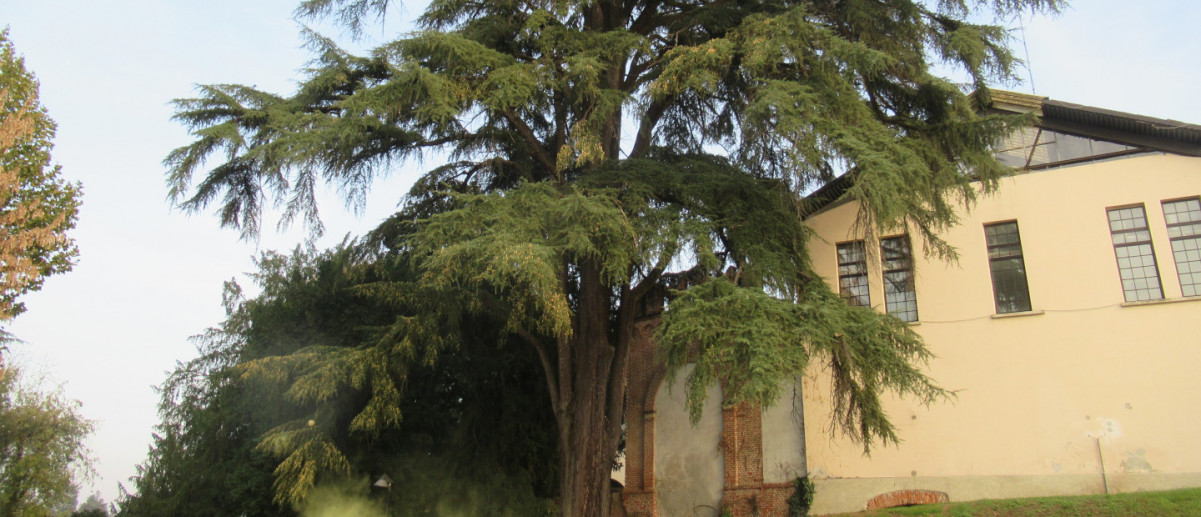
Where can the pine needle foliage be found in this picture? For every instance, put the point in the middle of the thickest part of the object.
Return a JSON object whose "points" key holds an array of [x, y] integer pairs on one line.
{"points": [[603, 153], [868, 352]]}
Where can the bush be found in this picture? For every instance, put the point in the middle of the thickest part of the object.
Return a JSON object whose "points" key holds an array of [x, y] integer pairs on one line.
{"points": [[800, 500]]}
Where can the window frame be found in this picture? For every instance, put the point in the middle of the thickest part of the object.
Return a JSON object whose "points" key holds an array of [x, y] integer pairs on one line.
{"points": [[1172, 246], [1021, 257], [1118, 258], [901, 310], [843, 292]]}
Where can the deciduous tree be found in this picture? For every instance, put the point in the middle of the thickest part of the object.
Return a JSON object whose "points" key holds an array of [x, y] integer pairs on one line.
{"points": [[37, 206], [41, 447], [604, 152]]}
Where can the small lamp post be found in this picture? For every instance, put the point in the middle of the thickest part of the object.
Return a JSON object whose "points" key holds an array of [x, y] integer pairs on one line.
{"points": [[385, 483]]}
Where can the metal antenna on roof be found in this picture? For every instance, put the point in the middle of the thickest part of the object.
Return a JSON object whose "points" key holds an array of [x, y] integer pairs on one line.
{"points": [[1026, 49]]}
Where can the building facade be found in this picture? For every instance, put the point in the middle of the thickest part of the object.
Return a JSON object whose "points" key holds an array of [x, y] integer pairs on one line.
{"points": [[1069, 328]]}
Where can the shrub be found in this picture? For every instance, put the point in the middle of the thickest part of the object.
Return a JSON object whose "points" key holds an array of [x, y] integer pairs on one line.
{"points": [[800, 500]]}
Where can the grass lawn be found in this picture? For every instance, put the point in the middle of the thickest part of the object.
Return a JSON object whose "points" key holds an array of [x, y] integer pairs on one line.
{"points": [[1175, 502]]}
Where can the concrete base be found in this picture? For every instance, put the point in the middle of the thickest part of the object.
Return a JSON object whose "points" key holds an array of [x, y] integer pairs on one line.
{"points": [[851, 495]]}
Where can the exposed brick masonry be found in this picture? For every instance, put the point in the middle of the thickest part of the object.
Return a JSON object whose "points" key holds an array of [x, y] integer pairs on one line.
{"points": [[905, 498]]}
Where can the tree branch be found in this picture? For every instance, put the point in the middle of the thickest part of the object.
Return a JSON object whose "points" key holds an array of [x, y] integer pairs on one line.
{"points": [[551, 383], [647, 126], [615, 399], [564, 349], [531, 141], [652, 277], [646, 21]]}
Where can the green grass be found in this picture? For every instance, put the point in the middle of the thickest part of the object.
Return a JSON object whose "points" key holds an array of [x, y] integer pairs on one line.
{"points": [[1176, 502]]}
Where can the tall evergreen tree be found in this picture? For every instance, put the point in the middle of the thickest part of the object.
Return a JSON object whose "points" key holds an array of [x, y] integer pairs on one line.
{"points": [[603, 151]]}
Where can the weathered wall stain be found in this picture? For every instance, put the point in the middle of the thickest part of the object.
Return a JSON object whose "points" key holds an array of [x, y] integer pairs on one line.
{"points": [[1108, 428], [1135, 461]]}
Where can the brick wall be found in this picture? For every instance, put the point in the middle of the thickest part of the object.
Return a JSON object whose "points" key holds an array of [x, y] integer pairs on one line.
{"points": [[643, 375], [742, 444], [640, 503], [906, 497], [766, 500]]}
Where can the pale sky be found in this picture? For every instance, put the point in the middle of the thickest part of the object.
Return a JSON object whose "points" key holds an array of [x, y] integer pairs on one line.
{"points": [[148, 276]]}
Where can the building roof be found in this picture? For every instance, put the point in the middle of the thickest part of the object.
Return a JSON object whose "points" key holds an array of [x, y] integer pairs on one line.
{"points": [[1155, 134], [1128, 128], [1163, 134], [1020, 100]]}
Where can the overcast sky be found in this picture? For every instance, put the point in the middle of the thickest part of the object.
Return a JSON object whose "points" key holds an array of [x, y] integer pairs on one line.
{"points": [[149, 277]]}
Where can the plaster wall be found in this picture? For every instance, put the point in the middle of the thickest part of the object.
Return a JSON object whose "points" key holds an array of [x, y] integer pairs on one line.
{"points": [[687, 458], [1083, 385], [784, 437]]}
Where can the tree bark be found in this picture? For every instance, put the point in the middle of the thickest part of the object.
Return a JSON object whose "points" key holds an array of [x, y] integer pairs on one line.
{"points": [[590, 420], [586, 431]]}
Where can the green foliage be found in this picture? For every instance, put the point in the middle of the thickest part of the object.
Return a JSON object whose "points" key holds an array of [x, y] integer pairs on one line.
{"points": [[515, 244], [752, 342], [347, 499], [41, 447], [431, 485], [94, 506], [37, 206], [203, 459], [802, 498], [795, 90], [326, 374]]}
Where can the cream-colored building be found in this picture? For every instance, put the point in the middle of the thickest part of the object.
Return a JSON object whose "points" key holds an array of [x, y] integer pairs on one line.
{"points": [[1070, 326]]}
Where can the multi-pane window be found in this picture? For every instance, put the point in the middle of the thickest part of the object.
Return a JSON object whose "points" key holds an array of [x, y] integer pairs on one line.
{"points": [[1008, 268], [852, 273], [900, 297], [1037, 147], [1136, 257], [1184, 230]]}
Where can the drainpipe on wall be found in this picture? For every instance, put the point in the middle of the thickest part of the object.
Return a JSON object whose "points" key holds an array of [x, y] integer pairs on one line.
{"points": [[1104, 479]]}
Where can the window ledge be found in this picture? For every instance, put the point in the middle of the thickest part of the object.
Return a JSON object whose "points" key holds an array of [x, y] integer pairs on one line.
{"points": [[1162, 301], [913, 323], [1017, 314]]}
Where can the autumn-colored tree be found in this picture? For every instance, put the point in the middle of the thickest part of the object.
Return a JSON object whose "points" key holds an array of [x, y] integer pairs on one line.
{"points": [[603, 152], [37, 206]]}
